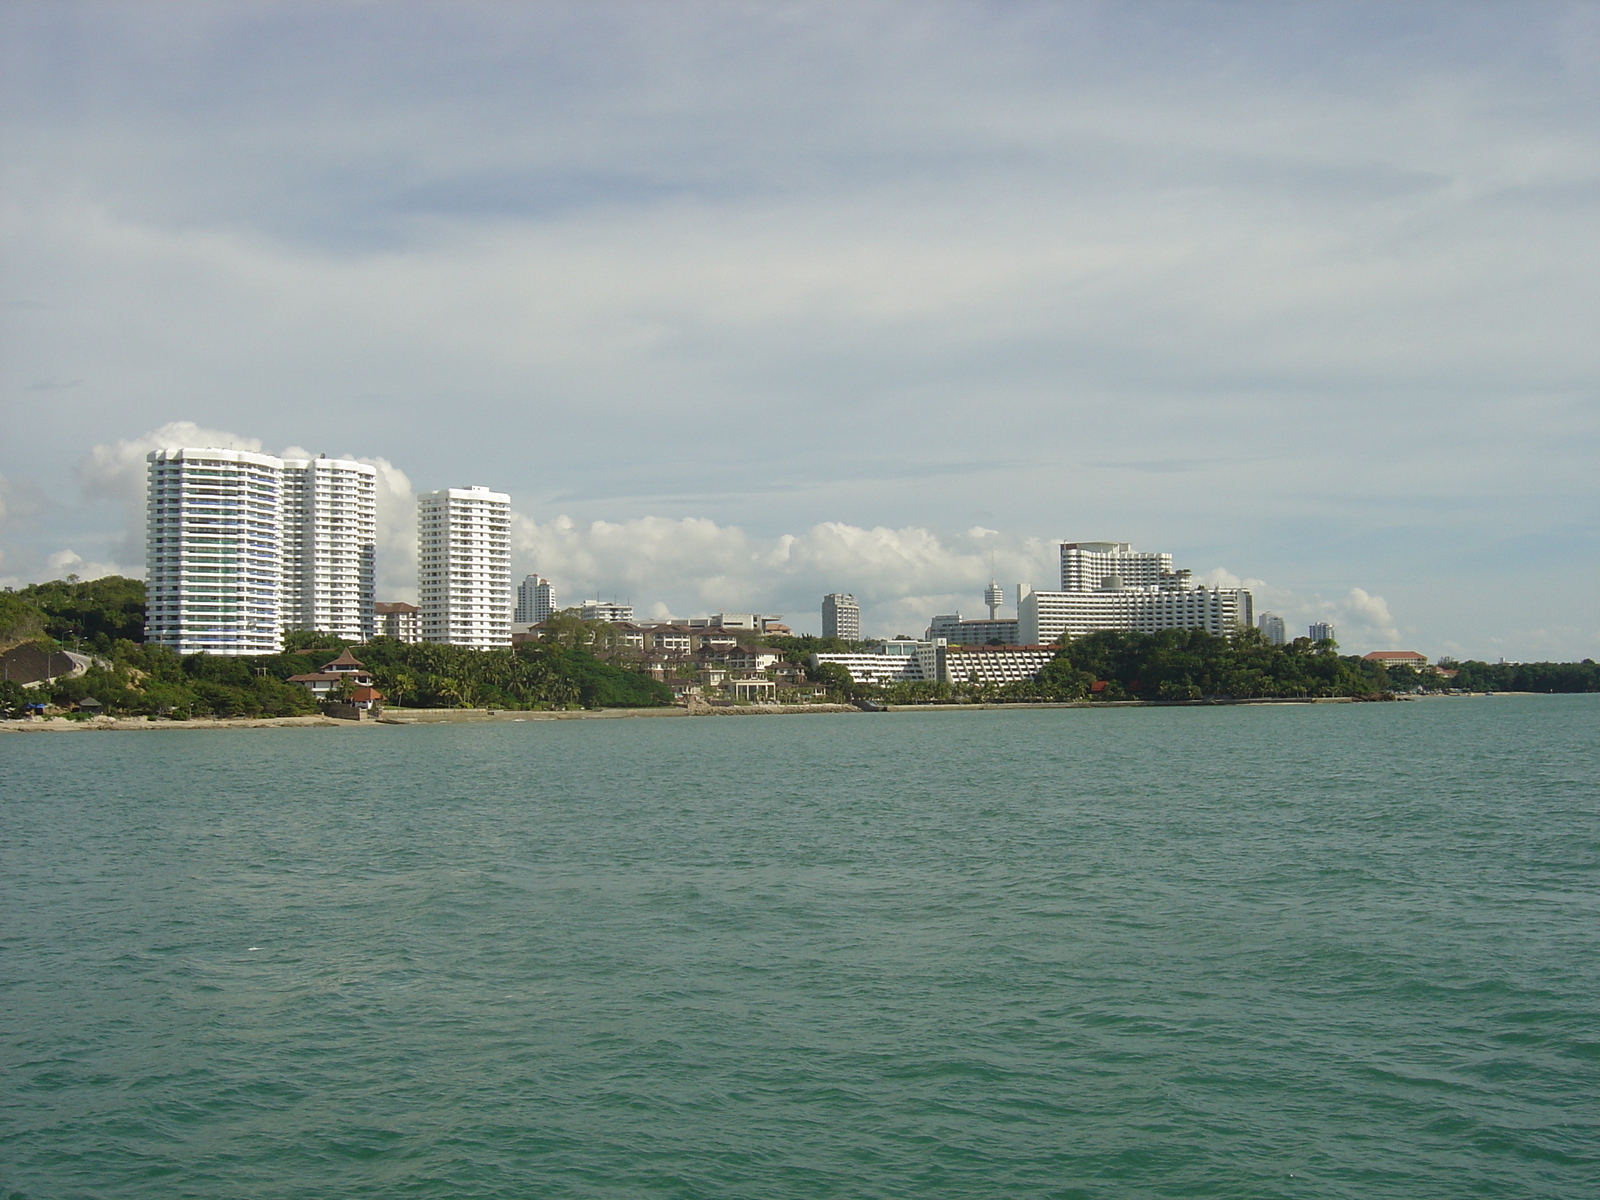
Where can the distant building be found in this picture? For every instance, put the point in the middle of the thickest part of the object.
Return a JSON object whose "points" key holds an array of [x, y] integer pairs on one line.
{"points": [[401, 621], [1399, 658], [1273, 629], [605, 610], [996, 665], [536, 600], [464, 567], [994, 596], [1321, 631], [1043, 617], [903, 661], [972, 633], [841, 616]]}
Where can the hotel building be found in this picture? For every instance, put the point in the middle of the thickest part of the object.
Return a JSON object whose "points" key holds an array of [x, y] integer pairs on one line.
{"points": [[464, 567], [1096, 594]]}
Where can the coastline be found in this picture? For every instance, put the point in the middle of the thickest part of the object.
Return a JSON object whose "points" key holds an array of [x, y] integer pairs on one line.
{"points": [[462, 716]]}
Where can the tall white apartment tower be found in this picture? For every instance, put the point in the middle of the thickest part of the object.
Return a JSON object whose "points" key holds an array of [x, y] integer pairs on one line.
{"points": [[464, 567], [213, 552], [330, 534], [841, 616], [536, 600], [1273, 629]]}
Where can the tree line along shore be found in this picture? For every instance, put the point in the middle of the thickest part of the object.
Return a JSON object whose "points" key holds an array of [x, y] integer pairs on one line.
{"points": [[577, 669]]}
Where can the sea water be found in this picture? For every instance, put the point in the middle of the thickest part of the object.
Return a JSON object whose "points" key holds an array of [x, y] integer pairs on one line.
{"points": [[1298, 951]]}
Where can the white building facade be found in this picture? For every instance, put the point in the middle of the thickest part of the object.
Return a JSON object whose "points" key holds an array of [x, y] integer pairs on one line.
{"points": [[330, 536], [214, 552], [841, 616], [1042, 617], [609, 611], [536, 600], [1273, 629], [464, 567], [1087, 566]]}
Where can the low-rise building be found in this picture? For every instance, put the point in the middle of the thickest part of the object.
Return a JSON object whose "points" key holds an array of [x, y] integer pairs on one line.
{"points": [[992, 665], [605, 610], [979, 632], [1399, 658], [334, 675]]}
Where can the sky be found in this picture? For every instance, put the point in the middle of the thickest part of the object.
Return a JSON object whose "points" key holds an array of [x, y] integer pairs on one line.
{"points": [[747, 302]]}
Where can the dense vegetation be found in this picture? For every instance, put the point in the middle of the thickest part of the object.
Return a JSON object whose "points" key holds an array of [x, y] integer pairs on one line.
{"points": [[99, 617], [1176, 664], [534, 675], [1527, 677], [90, 615], [19, 621]]}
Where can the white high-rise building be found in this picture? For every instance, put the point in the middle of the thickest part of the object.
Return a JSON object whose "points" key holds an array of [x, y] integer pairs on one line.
{"points": [[1273, 629], [841, 616], [214, 552], [536, 600], [330, 534], [242, 546], [1321, 631], [464, 567]]}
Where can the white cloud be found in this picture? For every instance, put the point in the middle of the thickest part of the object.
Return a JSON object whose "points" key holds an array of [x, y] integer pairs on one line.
{"points": [[690, 566], [70, 562], [117, 471]]}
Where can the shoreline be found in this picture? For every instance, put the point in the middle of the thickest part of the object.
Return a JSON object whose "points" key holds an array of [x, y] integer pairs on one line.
{"points": [[466, 716]]}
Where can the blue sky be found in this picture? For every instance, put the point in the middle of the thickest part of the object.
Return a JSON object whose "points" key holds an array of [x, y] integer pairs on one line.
{"points": [[743, 302]]}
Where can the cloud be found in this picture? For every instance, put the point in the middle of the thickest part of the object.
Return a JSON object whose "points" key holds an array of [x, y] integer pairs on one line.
{"points": [[116, 472], [1361, 620], [690, 566], [69, 562]]}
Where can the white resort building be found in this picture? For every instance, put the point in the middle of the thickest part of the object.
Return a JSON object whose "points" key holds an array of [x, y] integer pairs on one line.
{"points": [[1107, 585], [241, 546], [464, 567]]}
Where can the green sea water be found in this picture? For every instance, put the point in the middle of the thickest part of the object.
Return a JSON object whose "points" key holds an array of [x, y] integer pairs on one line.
{"points": [[1330, 951]]}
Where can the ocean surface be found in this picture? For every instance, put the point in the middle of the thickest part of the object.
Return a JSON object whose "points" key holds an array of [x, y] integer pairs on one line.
{"points": [[1331, 951]]}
